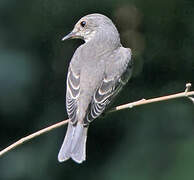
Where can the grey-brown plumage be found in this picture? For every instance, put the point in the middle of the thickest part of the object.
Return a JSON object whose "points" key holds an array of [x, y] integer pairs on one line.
{"points": [[98, 70]]}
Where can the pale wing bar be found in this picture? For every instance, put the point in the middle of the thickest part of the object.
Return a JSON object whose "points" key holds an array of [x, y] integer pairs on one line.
{"points": [[103, 96], [73, 90]]}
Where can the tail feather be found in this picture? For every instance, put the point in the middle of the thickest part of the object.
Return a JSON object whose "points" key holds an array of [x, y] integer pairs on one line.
{"points": [[65, 151], [74, 145], [78, 148]]}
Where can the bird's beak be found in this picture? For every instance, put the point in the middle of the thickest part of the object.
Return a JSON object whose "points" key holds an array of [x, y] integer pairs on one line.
{"points": [[71, 35]]}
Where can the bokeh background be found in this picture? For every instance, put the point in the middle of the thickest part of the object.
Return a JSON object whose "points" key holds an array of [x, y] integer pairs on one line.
{"points": [[150, 142]]}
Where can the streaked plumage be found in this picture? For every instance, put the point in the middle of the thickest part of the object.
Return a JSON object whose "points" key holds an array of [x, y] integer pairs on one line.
{"points": [[98, 70]]}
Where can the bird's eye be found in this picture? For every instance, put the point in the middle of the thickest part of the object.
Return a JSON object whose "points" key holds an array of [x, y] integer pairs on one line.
{"points": [[83, 23]]}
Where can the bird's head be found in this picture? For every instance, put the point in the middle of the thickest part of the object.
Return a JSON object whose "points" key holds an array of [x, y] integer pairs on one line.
{"points": [[94, 26]]}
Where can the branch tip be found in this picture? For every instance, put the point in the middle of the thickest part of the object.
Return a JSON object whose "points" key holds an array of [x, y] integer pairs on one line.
{"points": [[192, 99], [188, 87]]}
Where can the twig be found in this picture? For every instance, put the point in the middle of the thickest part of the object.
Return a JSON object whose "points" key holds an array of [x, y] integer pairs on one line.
{"points": [[31, 136], [186, 94]]}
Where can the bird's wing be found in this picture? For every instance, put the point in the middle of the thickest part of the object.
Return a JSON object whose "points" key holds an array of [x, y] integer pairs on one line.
{"points": [[72, 94], [108, 89], [102, 97]]}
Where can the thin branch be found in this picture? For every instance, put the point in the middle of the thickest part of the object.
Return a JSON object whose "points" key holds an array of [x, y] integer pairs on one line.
{"points": [[31, 136], [186, 94]]}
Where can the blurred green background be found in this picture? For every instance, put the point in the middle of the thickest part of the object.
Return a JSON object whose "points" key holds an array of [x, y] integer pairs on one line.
{"points": [[151, 142]]}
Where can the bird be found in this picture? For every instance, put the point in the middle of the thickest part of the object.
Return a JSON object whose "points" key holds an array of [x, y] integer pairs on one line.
{"points": [[98, 70]]}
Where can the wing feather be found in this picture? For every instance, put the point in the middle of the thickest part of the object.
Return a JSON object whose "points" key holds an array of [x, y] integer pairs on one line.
{"points": [[108, 89], [102, 97], [73, 91]]}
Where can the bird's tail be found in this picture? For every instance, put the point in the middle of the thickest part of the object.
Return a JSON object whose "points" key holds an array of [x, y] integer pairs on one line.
{"points": [[74, 144]]}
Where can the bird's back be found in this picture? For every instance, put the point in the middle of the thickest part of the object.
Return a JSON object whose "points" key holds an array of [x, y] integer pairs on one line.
{"points": [[94, 68]]}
